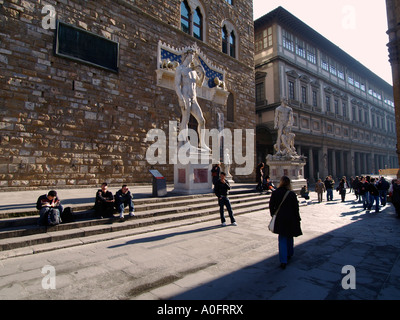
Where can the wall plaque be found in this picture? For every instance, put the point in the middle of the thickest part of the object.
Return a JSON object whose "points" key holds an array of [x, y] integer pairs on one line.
{"points": [[84, 46]]}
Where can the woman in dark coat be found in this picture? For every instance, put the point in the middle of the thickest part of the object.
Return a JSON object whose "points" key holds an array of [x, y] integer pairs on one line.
{"points": [[396, 195], [287, 223]]}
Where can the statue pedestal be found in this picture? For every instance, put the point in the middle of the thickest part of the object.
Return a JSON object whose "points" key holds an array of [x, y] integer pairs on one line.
{"points": [[292, 167], [195, 176], [228, 177]]}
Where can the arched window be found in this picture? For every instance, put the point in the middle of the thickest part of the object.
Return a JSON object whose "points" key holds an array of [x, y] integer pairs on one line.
{"points": [[198, 24], [192, 21], [224, 40], [229, 39], [185, 17]]}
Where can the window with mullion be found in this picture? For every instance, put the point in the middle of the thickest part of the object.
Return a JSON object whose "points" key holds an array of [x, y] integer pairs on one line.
{"points": [[197, 24], [185, 17]]}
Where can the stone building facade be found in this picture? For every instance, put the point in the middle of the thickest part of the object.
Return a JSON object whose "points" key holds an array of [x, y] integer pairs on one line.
{"points": [[393, 14], [344, 117], [65, 122]]}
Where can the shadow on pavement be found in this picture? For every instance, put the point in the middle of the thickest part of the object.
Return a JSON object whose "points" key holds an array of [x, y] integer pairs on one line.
{"points": [[371, 244], [164, 236]]}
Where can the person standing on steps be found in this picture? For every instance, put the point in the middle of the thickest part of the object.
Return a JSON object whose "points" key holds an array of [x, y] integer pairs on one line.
{"points": [[285, 205], [221, 190]]}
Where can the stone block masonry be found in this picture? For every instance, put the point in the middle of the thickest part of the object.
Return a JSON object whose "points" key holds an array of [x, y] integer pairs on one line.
{"points": [[65, 124]]}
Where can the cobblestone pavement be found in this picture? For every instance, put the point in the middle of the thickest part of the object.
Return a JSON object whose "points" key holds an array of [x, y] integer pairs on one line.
{"points": [[207, 261]]}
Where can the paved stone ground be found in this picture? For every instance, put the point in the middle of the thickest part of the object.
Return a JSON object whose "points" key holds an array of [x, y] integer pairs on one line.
{"points": [[206, 261]]}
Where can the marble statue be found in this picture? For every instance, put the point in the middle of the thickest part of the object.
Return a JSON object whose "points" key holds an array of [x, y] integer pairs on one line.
{"points": [[227, 163], [188, 76], [283, 122]]}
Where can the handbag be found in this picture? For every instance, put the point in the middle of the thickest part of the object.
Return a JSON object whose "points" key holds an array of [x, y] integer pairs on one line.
{"points": [[271, 225]]}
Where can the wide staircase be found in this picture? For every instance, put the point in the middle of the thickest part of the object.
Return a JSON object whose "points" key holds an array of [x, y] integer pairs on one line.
{"points": [[20, 235]]}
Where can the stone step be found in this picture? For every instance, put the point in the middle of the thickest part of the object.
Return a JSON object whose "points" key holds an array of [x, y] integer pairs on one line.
{"points": [[179, 210], [87, 203], [84, 213], [55, 240], [18, 237]]}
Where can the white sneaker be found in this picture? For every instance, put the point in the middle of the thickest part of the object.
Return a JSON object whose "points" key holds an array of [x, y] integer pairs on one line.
{"points": [[223, 224], [131, 214], [234, 224]]}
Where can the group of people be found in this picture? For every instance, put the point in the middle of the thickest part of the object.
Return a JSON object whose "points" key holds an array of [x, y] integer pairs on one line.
{"points": [[368, 190], [106, 203], [283, 204], [328, 186], [50, 207]]}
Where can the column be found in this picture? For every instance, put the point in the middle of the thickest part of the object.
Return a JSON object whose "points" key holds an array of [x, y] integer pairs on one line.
{"points": [[311, 166], [323, 161], [341, 164], [346, 167], [352, 163], [333, 164], [357, 163], [371, 162], [365, 163], [374, 165]]}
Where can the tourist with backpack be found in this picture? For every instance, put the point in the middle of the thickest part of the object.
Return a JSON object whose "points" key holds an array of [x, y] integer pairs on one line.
{"points": [[50, 209]]}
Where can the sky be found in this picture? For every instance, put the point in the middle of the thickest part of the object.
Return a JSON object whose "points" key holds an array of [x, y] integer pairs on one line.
{"points": [[358, 27]]}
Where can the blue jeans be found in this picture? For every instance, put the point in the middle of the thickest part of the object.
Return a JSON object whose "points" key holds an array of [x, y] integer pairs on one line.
{"points": [[365, 200], [121, 206], [224, 201], [371, 202], [383, 197], [285, 248], [329, 194]]}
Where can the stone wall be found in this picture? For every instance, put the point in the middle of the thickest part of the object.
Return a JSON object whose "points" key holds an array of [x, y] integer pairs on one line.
{"points": [[65, 123], [393, 15]]}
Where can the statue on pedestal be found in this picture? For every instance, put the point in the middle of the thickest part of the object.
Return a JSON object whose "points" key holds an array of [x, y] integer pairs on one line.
{"points": [[286, 161], [193, 176]]}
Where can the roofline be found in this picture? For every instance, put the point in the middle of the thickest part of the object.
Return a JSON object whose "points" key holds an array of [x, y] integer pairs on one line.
{"points": [[292, 23]]}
